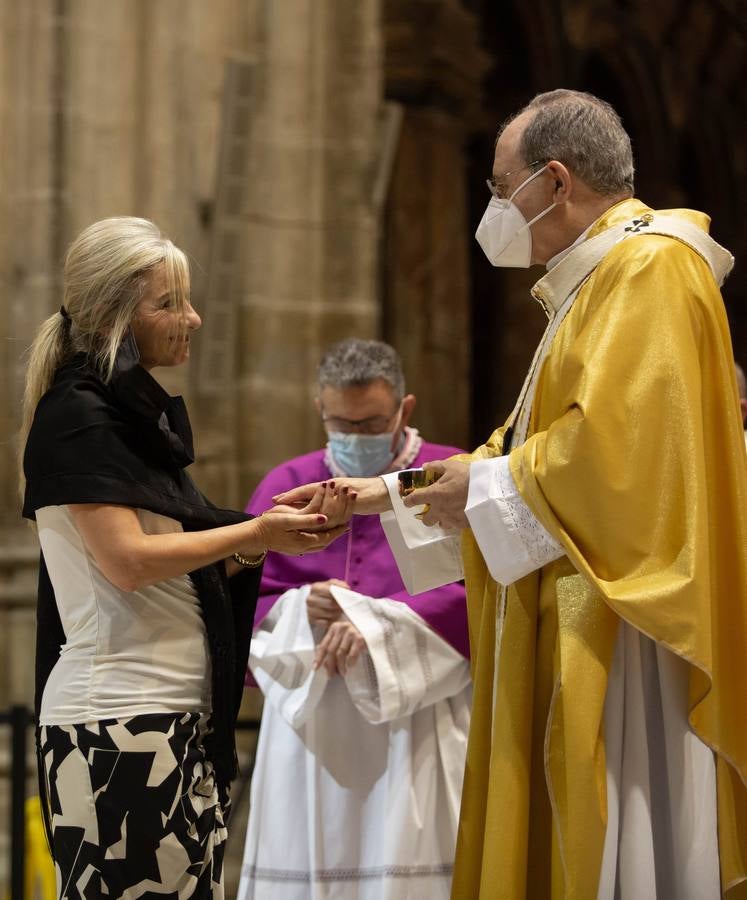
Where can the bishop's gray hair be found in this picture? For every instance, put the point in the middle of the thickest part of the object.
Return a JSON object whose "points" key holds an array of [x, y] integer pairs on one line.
{"points": [[585, 134], [355, 362]]}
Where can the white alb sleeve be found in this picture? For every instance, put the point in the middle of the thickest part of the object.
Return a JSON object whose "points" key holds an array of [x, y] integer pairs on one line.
{"points": [[511, 538], [406, 666], [282, 655]]}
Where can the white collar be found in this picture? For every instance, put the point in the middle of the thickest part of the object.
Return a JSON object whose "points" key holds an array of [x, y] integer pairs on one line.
{"points": [[554, 260], [553, 289]]}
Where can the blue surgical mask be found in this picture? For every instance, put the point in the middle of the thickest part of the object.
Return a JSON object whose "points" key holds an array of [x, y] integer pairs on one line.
{"points": [[361, 455]]}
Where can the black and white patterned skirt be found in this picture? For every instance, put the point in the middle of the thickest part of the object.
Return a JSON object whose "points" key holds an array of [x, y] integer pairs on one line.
{"points": [[135, 808]]}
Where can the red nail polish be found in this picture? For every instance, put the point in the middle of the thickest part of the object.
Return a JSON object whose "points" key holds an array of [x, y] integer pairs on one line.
{"points": [[321, 519]]}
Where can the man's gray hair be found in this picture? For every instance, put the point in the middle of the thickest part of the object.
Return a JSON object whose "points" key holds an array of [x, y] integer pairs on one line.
{"points": [[355, 362], [585, 134]]}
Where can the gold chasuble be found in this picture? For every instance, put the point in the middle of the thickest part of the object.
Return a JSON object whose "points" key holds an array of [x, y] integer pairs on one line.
{"points": [[634, 460]]}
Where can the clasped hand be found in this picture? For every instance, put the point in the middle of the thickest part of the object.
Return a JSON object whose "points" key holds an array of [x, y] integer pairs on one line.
{"points": [[371, 494], [321, 606], [446, 498], [339, 648], [292, 530], [342, 642]]}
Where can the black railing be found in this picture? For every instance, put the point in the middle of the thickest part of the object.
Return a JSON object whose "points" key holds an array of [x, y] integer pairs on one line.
{"points": [[20, 718]]}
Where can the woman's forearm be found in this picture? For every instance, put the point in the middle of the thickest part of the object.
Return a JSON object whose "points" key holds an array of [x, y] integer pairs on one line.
{"points": [[132, 559]]}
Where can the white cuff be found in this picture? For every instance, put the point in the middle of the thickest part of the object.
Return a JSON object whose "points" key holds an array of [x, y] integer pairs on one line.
{"points": [[511, 538], [427, 556]]}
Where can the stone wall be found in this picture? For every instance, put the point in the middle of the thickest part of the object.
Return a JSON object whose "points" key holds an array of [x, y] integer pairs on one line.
{"points": [[322, 162], [674, 71], [119, 108]]}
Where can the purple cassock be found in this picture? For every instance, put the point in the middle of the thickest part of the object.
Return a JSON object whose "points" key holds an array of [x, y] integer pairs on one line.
{"points": [[361, 557]]}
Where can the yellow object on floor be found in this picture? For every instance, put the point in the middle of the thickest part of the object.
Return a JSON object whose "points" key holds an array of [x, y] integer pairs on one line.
{"points": [[40, 874]]}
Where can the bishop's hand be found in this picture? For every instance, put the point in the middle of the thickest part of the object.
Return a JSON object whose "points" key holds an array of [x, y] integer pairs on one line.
{"points": [[447, 498]]}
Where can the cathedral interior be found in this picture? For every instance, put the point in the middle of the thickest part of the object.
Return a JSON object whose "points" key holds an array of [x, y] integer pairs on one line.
{"points": [[323, 164]]}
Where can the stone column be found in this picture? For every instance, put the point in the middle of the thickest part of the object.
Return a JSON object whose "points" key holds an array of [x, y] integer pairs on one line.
{"points": [[29, 44], [434, 67], [106, 109], [142, 118], [309, 249], [29, 48]]}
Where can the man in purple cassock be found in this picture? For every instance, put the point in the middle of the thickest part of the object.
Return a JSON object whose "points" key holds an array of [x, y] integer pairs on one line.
{"points": [[359, 765]]}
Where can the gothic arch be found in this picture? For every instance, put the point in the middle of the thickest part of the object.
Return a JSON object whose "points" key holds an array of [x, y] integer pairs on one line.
{"points": [[675, 71]]}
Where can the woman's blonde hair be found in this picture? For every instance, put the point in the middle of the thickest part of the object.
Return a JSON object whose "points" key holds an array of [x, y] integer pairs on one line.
{"points": [[105, 274]]}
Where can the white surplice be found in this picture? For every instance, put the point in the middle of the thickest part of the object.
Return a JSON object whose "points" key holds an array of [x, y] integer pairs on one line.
{"points": [[357, 781]]}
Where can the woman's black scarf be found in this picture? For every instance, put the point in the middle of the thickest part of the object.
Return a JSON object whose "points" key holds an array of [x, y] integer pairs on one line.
{"points": [[128, 442]]}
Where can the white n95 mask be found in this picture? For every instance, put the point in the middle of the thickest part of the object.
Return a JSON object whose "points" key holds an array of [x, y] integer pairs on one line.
{"points": [[504, 234]]}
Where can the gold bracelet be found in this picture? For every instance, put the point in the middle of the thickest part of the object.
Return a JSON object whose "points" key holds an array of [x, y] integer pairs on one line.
{"points": [[249, 563]]}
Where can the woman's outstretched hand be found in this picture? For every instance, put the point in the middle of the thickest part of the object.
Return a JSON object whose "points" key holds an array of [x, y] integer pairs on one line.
{"points": [[293, 530], [335, 501], [372, 495]]}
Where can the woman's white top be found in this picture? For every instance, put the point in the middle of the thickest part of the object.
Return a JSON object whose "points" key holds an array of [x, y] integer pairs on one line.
{"points": [[126, 653]]}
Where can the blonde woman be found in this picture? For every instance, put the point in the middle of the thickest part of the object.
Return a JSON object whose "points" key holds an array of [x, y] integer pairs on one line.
{"points": [[146, 590]]}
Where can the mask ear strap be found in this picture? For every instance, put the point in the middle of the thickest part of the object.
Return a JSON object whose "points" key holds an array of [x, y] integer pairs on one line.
{"points": [[538, 217], [526, 181]]}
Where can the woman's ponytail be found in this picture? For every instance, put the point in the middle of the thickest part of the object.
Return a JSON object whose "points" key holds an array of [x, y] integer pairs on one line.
{"points": [[51, 347]]}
